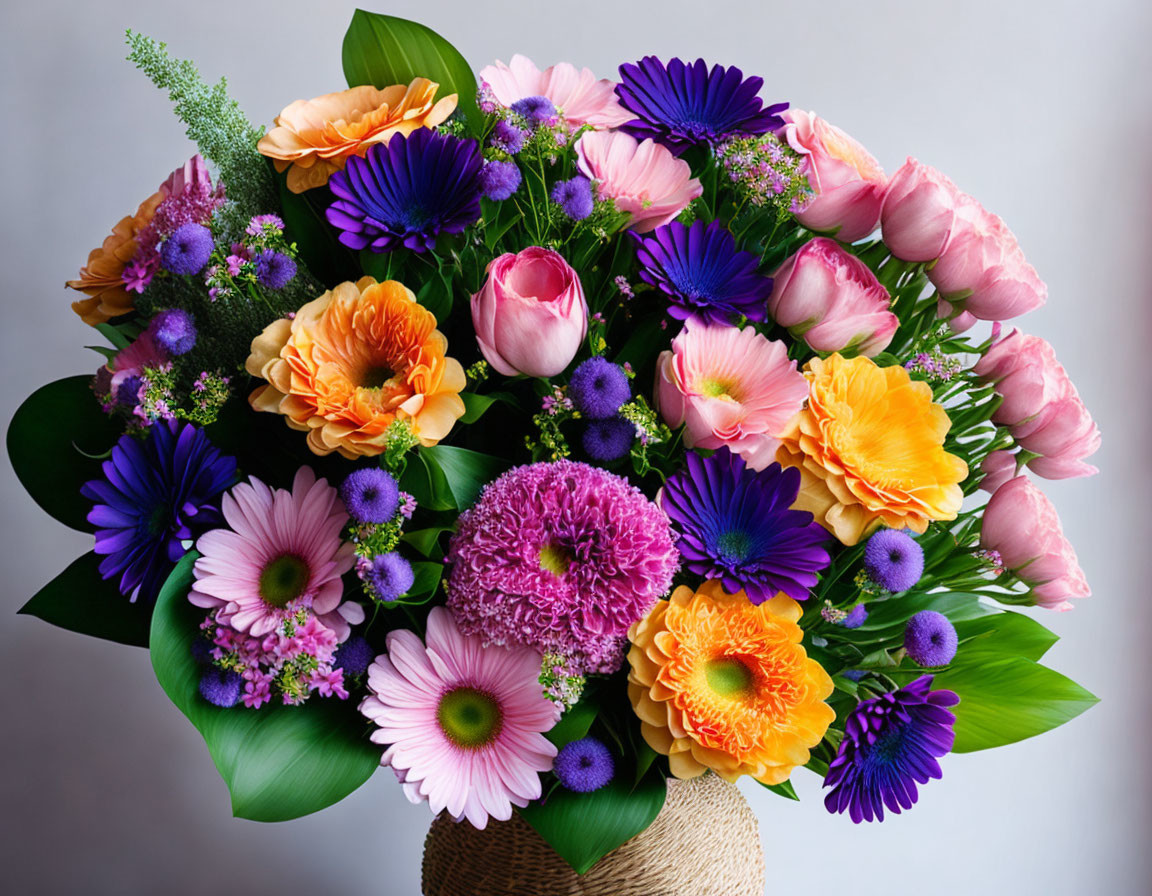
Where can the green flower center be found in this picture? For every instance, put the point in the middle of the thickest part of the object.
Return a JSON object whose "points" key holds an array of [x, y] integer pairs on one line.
{"points": [[469, 718], [734, 545], [716, 389], [728, 676], [159, 519], [555, 559], [283, 580]]}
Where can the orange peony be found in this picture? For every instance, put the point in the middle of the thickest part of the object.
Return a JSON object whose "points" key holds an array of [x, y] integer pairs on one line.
{"points": [[100, 279], [869, 446], [351, 363], [314, 138], [721, 683]]}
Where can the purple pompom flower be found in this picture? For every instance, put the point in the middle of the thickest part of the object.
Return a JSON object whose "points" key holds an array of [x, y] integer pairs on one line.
{"points": [[683, 105], [389, 576], [893, 560], [930, 639], [499, 180], [221, 687], [370, 495], [274, 270], [407, 192], [584, 765], [702, 273], [737, 526], [507, 137], [598, 388], [174, 331], [536, 110], [354, 656], [608, 440], [187, 251], [891, 744], [574, 196], [856, 617]]}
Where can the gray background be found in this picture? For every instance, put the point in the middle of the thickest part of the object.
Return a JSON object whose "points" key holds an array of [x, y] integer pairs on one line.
{"points": [[1041, 109]]}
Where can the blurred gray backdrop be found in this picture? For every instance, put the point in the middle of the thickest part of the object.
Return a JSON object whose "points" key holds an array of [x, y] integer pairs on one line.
{"points": [[1039, 108]]}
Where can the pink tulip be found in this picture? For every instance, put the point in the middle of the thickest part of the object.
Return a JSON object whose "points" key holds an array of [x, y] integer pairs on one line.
{"points": [[918, 212], [998, 468], [1040, 406], [643, 178], [832, 299], [729, 386], [1022, 526], [530, 315], [982, 269], [848, 182], [578, 96]]}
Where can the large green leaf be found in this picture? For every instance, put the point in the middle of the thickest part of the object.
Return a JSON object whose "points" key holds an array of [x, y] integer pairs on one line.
{"points": [[449, 478], [316, 240], [54, 442], [81, 601], [279, 762], [585, 827], [384, 50], [1000, 635]]}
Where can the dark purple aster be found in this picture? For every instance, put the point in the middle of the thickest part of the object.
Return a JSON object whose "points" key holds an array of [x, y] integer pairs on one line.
{"points": [[536, 110], [598, 388], [575, 197], [274, 270], [499, 179], [187, 250], [702, 273], [584, 765], [682, 105], [155, 494], [737, 526], [608, 440], [370, 495], [891, 744], [174, 331], [406, 192], [354, 656], [221, 687]]}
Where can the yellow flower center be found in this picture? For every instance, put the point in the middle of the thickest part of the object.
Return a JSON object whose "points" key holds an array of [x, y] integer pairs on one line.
{"points": [[717, 389], [555, 559]]}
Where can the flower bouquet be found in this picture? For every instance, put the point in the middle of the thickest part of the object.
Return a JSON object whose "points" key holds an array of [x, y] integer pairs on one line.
{"points": [[547, 439]]}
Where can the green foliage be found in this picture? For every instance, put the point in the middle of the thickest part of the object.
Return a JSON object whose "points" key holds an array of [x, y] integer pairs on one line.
{"points": [[279, 762], [446, 478], [785, 790]]}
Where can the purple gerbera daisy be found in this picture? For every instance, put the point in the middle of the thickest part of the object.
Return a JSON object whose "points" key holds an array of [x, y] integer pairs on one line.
{"points": [[156, 493], [737, 526], [683, 105], [702, 272], [562, 557], [406, 192], [891, 744]]}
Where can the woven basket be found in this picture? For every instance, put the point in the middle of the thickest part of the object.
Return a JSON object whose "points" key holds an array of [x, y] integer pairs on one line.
{"points": [[704, 842]]}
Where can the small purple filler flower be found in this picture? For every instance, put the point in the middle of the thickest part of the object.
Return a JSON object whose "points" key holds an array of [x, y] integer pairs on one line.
{"points": [[499, 180], [507, 137], [390, 576], [274, 270], [930, 639], [187, 250], [574, 196], [174, 331], [893, 560], [584, 765], [608, 440], [598, 388], [370, 495], [891, 744], [354, 656], [536, 110], [221, 687]]}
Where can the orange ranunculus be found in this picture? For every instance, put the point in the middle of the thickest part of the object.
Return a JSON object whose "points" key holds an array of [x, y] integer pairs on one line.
{"points": [[869, 447], [721, 683], [351, 363], [100, 279], [316, 137]]}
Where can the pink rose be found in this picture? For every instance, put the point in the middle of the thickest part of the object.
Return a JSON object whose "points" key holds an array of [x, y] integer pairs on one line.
{"points": [[1040, 406], [729, 386], [918, 211], [833, 300], [530, 315], [1022, 526], [848, 182], [644, 179], [982, 269]]}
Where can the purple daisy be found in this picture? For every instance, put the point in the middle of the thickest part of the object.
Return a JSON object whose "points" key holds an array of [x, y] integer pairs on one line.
{"points": [[891, 744], [683, 105], [156, 493], [737, 526], [702, 273], [562, 557], [406, 192]]}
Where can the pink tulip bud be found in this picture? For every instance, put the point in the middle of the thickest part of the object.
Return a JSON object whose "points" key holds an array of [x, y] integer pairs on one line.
{"points": [[1021, 525], [917, 215], [847, 181], [998, 468], [832, 300], [530, 315]]}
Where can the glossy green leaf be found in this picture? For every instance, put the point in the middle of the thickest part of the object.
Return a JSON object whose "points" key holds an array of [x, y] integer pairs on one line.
{"points": [[1000, 635], [585, 827], [81, 601], [54, 442], [426, 541], [279, 762], [895, 612], [463, 472], [384, 50], [785, 790], [576, 721], [316, 240]]}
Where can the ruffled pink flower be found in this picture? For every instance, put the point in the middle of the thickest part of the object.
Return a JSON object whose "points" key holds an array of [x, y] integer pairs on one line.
{"points": [[142, 354], [1040, 406], [281, 553], [832, 300], [189, 197], [464, 723], [918, 212], [847, 181], [729, 386], [576, 93], [1021, 525], [644, 179]]}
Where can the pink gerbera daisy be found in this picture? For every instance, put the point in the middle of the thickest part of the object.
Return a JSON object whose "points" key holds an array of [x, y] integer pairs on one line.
{"points": [[464, 723], [281, 553], [576, 93]]}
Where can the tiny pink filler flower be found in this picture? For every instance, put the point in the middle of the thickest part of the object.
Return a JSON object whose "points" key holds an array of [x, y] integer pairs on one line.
{"points": [[577, 94], [729, 386], [464, 723], [281, 553]]}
